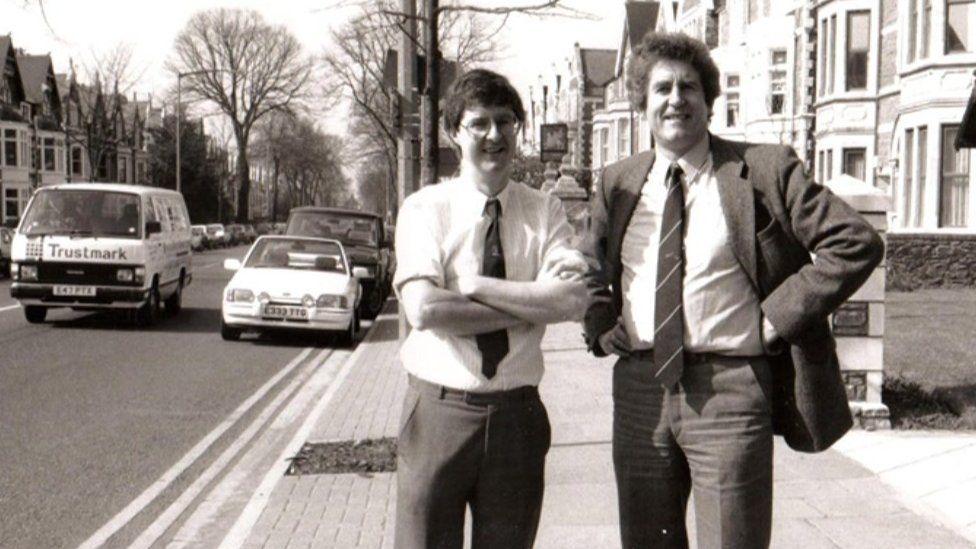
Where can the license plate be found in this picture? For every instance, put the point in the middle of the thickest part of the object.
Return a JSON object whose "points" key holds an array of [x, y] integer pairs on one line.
{"points": [[71, 291], [284, 311]]}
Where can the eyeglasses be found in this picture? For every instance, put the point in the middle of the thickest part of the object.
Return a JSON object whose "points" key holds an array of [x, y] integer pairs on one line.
{"points": [[481, 126]]}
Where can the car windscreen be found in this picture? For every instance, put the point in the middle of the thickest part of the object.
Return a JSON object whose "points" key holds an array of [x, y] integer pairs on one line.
{"points": [[348, 229], [285, 253], [78, 212]]}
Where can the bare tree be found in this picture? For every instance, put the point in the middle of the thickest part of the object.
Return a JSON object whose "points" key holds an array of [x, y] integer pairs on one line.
{"points": [[245, 66], [355, 70]]}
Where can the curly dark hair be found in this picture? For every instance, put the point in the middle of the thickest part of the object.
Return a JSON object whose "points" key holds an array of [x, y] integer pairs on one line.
{"points": [[672, 46], [483, 88]]}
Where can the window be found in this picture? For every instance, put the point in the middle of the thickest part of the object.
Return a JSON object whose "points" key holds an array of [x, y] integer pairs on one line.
{"points": [[777, 91], [823, 58], [623, 137], [10, 148], [912, 37], [140, 172], [123, 173], [926, 28], [830, 165], [604, 145], [48, 154], [858, 43], [831, 53], [958, 13], [11, 203], [820, 167], [922, 146], [909, 177], [732, 100], [76, 161], [854, 165], [954, 186]]}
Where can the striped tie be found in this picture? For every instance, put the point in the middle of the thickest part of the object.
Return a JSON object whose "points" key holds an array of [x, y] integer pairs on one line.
{"points": [[669, 318], [493, 345]]}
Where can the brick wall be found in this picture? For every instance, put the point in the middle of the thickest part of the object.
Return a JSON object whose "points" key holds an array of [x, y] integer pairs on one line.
{"points": [[921, 261]]}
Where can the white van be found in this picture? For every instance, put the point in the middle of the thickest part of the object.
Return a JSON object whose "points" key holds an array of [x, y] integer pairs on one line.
{"points": [[102, 246]]}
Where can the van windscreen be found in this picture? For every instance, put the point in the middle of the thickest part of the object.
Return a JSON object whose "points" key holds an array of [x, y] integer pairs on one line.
{"points": [[83, 213]]}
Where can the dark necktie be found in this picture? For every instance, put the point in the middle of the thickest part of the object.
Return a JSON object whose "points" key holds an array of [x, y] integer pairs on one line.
{"points": [[669, 318], [493, 345]]}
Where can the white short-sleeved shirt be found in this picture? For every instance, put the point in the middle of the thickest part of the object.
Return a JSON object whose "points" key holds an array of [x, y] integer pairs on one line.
{"points": [[440, 236]]}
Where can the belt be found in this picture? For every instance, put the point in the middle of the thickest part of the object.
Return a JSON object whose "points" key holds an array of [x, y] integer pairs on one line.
{"points": [[647, 355], [519, 394]]}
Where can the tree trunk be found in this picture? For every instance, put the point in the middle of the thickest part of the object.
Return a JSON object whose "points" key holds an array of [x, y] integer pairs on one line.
{"points": [[243, 180], [274, 194], [430, 99]]}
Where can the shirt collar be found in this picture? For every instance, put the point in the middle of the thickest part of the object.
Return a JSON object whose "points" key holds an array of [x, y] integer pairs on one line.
{"points": [[692, 163], [476, 200]]}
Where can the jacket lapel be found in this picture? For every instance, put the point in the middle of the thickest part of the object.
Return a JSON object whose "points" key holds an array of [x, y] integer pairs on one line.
{"points": [[737, 203]]}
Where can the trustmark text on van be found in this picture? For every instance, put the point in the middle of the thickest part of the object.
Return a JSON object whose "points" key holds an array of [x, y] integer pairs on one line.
{"points": [[102, 246]]}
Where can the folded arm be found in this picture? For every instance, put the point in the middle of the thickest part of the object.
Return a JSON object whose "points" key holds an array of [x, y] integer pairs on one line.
{"points": [[428, 307], [543, 301]]}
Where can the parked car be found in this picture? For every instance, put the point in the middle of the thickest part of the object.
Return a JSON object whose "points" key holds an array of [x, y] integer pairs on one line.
{"points": [[250, 233], [102, 246], [293, 283], [198, 237], [235, 234], [365, 239], [6, 238], [264, 228], [218, 235], [279, 227]]}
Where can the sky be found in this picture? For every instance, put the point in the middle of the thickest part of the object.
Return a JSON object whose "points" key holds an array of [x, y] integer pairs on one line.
{"points": [[80, 28]]}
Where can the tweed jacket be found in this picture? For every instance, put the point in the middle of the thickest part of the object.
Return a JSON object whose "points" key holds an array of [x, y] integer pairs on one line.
{"points": [[804, 250]]}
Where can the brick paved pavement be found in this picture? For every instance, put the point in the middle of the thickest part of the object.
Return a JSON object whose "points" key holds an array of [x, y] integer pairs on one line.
{"points": [[825, 500]]}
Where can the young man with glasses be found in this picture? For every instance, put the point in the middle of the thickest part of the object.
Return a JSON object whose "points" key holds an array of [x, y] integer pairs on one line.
{"points": [[483, 264]]}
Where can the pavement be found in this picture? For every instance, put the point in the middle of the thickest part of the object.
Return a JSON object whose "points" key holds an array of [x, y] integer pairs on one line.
{"points": [[883, 489]]}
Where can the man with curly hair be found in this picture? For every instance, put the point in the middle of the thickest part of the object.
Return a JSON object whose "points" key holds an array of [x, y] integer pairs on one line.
{"points": [[703, 286]]}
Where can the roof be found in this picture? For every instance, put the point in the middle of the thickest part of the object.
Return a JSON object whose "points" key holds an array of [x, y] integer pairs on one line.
{"points": [[641, 18], [110, 187], [5, 43], [597, 68], [34, 70], [324, 209]]}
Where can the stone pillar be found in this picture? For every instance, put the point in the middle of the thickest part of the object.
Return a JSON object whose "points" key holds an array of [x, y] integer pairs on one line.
{"points": [[573, 197], [858, 324]]}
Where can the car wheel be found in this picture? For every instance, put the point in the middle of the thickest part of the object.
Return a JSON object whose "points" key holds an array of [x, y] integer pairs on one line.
{"points": [[35, 314], [348, 337], [148, 314], [174, 303], [372, 303], [229, 333]]}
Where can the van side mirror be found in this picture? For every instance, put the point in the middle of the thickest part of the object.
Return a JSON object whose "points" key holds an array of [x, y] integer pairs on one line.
{"points": [[153, 227], [360, 272]]}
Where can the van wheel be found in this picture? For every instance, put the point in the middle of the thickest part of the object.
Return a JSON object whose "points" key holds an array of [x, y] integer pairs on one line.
{"points": [[35, 314], [148, 314], [229, 333], [174, 303]]}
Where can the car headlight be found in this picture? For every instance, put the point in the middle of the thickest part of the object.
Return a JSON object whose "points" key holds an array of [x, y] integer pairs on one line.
{"points": [[328, 301], [28, 272], [124, 275], [5, 237], [264, 298], [139, 275], [240, 295], [308, 300]]}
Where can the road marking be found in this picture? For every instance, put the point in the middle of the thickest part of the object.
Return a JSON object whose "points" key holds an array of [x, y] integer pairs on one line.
{"points": [[166, 519], [117, 522], [242, 527], [10, 307]]}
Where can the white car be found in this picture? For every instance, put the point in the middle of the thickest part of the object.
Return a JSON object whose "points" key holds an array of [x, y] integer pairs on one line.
{"points": [[295, 283]]}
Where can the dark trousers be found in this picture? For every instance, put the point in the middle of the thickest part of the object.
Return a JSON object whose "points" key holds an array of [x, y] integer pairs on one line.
{"points": [[712, 435], [466, 449]]}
